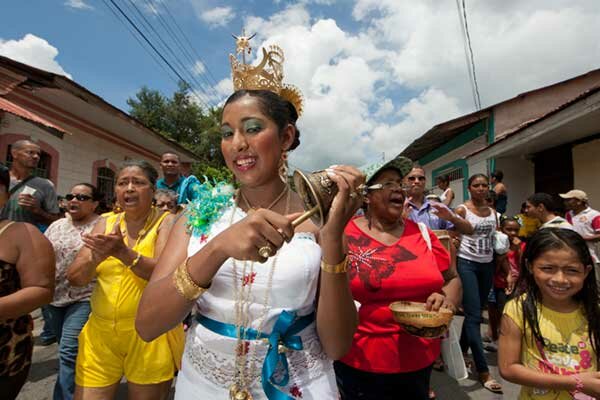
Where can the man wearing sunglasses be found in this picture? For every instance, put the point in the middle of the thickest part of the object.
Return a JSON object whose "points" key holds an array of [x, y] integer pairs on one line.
{"points": [[433, 214]]}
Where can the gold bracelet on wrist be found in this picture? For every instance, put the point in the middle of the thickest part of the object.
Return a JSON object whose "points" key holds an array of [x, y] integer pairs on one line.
{"points": [[339, 268], [135, 261], [184, 283]]}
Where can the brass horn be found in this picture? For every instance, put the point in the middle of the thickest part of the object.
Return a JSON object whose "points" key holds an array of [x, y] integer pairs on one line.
{"points": [[317, 192]]}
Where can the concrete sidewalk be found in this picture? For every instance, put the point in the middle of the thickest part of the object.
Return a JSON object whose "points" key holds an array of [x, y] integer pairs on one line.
{"points": [[42, 377]]}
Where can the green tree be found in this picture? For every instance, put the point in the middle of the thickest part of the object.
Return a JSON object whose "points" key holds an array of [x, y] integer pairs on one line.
{"points": [[181, 119]]}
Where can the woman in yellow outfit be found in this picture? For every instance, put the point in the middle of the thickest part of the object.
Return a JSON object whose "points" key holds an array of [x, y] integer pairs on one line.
{"points": [[121, 253]]}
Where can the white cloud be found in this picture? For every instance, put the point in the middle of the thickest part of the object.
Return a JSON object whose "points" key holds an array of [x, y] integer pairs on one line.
{"points": [[403, 69], [217, 16], [78, 4], [518, 46], [34, 51], [198, 68]]}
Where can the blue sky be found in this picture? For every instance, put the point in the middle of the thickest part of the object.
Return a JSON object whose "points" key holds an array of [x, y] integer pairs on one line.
{"points": [[375, 74]]}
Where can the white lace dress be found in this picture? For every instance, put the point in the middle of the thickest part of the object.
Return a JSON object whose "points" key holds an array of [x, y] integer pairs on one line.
{"points": [[208, 366]]}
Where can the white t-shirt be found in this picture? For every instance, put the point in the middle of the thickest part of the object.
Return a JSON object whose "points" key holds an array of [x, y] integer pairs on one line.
{"points": [[587, 223]]}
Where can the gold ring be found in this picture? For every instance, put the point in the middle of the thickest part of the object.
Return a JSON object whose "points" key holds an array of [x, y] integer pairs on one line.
{"points": [[265, 251]]}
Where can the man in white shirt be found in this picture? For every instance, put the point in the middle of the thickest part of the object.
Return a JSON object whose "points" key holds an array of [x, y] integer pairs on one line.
{"points": [[585, 220]]}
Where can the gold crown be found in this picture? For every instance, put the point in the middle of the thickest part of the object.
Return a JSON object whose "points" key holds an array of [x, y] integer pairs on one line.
{"points": [[267, 75]]}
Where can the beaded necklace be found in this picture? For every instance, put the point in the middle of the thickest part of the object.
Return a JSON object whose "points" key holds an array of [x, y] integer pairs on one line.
{"points": [[150, 220], [243, 300]]}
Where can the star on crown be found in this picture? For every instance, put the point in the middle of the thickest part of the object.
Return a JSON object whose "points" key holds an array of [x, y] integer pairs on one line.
{"points": [[267, 75]]}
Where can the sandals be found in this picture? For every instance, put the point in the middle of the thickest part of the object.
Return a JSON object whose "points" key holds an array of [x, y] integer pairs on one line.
{"points": [[492, 385]]}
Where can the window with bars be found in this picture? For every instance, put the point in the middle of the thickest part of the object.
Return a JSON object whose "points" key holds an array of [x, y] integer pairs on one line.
{"points": [[454, 174], [105, 182], [43, 168]]}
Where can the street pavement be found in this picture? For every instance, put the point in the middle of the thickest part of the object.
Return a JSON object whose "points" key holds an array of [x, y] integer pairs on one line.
{"points": [[42, 377]]}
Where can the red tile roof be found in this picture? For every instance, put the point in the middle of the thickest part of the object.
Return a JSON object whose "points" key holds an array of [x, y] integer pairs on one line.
{"points": [[12, 108]]}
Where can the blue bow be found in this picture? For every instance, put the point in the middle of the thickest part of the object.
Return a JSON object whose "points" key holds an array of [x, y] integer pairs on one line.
{"points": [[283, 337]]}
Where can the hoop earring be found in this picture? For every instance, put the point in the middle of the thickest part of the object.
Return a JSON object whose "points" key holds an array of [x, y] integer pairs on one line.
{"points": [[283, 167]]}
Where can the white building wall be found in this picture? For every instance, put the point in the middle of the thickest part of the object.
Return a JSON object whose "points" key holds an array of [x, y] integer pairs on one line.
{"points": [[456, 154], [519, 178], [77, 152], [586, 165]]}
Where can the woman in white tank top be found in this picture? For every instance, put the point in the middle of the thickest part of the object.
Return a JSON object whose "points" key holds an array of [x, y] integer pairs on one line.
{"points": [[476, 269], [447, 196]]}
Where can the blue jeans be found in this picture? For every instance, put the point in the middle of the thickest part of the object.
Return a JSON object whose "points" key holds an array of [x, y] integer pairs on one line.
{"points": [[477, 280], [67, 322], [48, 334]]}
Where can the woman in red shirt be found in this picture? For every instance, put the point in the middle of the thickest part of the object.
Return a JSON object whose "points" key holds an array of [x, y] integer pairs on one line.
{"points": [[390, 260]]}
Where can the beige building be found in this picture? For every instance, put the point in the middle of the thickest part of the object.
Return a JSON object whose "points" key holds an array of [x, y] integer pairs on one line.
{"points": [[83, 138], [543, 140]]}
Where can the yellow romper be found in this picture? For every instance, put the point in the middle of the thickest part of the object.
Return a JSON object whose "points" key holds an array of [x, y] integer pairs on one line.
{"points": [[109, 346]]}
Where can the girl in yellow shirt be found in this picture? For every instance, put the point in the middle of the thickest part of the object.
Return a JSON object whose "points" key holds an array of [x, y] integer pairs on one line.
{"points": [[550, 331]]}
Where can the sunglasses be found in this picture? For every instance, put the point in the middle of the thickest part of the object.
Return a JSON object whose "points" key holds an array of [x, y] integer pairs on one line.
{"points": [[387, 185], [80, 197]]}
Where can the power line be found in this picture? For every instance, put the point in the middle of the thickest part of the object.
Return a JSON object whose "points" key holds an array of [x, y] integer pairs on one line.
{"points": [[168, 48], [164, 4], [472, 58], [466, 52], [158, 53], [151, 54], [207, 86], [165, 46]]}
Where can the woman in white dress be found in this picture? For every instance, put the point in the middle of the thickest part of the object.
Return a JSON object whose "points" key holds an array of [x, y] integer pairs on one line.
{"points": [[296, 302]]}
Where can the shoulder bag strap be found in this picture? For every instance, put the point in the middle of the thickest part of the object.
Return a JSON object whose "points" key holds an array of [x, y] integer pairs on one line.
{"points": [[20, 185], [425, 234], [6, 226]]}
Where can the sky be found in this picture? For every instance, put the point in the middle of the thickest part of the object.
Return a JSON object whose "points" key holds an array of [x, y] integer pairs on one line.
{"points": [[375, 74]]}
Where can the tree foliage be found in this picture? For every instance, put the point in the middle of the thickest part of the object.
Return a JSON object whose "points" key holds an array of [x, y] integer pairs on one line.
{"points": [[181, 119]]}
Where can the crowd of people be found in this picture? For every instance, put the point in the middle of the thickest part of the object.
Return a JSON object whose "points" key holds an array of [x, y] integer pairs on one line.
{"points": [[280, 309]]}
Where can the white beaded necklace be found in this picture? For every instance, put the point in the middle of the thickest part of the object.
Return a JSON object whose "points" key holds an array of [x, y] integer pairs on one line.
{"points": [[243, 300]]}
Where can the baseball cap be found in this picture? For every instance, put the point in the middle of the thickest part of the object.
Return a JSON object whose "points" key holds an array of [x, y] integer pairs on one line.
{"points": [[574, 194], [401, 164]]}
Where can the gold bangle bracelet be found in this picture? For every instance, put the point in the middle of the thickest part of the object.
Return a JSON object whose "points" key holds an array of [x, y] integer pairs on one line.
{"points": [[184, 283], [135, 261], [339, 268]]}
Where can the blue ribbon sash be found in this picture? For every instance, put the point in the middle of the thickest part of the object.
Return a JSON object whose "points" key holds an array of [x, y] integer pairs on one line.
{"points": [[284, 333]]}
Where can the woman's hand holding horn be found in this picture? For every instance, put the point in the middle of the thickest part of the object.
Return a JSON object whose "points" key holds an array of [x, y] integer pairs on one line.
{"points": [[350, 183]]}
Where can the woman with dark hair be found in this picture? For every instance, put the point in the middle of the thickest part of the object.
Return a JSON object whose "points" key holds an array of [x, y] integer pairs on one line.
{"points": [[543, 207], [255, 279], [500, 188], [447, 196], [391, 259], [550, 332], [475, 264], [70, 308], [121, 253], [26, 283]]}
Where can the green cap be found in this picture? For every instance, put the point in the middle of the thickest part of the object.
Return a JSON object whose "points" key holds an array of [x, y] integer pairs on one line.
{"points": [[401, 164]]}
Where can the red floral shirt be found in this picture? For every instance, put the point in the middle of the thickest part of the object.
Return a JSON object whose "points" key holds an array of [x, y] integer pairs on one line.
{"points": [[381, 274]]}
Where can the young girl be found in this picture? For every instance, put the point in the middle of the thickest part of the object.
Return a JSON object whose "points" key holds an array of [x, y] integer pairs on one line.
{"points": [[550, 333], [507, 272]]}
